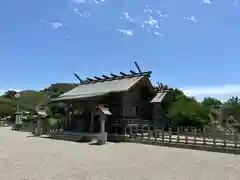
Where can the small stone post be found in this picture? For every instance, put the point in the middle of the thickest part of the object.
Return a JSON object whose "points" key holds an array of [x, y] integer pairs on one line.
{"points": [[38, 128], [103, 138]]}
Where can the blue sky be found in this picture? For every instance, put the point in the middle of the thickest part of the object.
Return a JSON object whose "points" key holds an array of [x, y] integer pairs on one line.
{"points": [[188, 44]]}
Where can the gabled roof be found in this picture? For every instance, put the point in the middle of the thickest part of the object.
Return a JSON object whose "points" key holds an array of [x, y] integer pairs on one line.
{"points": [[102, 87], [105, 111], [159, 97]]}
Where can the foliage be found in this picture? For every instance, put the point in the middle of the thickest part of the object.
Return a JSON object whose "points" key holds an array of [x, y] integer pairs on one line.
{"points": [[10, 94], [56, 90], [52, 121], [6, 109], [209, 102], [30, 99], [231, 110], [186, 111]]}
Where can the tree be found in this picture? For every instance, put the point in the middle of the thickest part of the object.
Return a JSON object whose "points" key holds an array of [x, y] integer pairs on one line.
{"points": [[56, 90], [186, 111], [232, 108], [176, 93], [6, 110], [10, 94], [56, 108], [209, 102], [31, 99]]}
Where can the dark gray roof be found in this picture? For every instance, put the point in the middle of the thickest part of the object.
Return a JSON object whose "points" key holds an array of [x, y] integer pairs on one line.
{"points": [[159, 97], [101, 88]]}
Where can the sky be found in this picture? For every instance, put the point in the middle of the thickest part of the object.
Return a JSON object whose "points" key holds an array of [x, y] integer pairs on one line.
{"points": [[188, 44]]}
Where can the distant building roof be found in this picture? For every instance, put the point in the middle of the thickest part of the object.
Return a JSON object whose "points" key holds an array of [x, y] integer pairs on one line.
{"points": [[159, 97], [105, 111], [102, 87]]}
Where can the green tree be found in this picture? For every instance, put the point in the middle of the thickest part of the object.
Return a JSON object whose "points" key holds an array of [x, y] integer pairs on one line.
{"points": [[209, 102], [186, 111], [234, 100], [6, 110], [30, 99], [10, 94], [57, 89], [232, 108]]}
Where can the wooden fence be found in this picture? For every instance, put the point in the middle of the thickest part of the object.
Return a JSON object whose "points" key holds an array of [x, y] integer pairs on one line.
{"points": [[186, 136]]}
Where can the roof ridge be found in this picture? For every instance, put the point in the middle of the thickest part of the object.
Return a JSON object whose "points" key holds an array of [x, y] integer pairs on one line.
{"points": [[113, 77]]}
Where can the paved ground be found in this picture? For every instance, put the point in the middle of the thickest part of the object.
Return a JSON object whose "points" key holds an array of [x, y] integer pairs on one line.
{"points": [[30, 158]]}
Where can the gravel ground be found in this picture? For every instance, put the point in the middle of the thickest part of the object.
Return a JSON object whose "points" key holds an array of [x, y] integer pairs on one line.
{"points": [[31, 158]]}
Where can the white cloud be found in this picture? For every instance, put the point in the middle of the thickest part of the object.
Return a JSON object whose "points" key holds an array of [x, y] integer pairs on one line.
{"points": [[191, 18], [151, 21], [127, 17], [220, 92], [88, 1], [206, 2], [99, 1], [79, 1], [162, 14], [125, 31], [147, 9], [57, 25], [158, 34], [77, 12], [42, 21], [86, 15]]}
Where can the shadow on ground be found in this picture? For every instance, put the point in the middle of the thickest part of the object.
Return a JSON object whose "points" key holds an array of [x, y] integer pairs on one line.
{"points": [[76, 140], [235, 151]]}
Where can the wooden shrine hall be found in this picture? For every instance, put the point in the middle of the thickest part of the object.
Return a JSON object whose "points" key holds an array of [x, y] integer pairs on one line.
{"points": [[109, 104]]}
